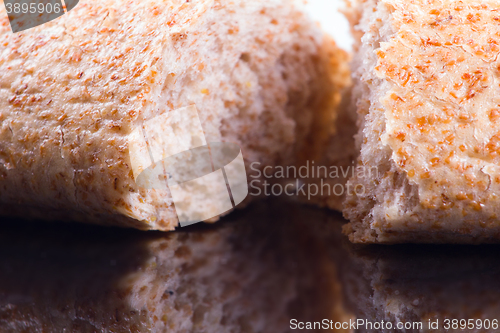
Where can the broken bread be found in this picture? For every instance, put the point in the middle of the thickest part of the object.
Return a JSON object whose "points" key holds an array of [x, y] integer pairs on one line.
{"points": [[426, 85], [72, 92]]}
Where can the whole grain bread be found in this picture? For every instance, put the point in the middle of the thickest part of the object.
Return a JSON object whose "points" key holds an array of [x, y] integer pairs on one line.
{"points": [[260, 73], [426, 87]]}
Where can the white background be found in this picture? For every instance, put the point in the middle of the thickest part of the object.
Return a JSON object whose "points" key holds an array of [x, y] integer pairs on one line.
{"points": [[326, 13]]}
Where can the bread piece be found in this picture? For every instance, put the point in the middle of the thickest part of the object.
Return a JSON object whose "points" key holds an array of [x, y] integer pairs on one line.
{"points": [[417, 283], [73, 90], [254, 272], [427, 91]]}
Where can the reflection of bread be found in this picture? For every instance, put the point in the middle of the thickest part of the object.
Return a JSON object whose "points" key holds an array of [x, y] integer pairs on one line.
{"points": [[418, 283], [427, 95], [259, 72], [253, 273]]}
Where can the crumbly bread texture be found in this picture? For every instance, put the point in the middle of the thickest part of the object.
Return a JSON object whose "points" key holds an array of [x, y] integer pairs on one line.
{"points": [[417, 283], [338, 161], [335, 148], [260, 73], [426, 85], [252, 272]]}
